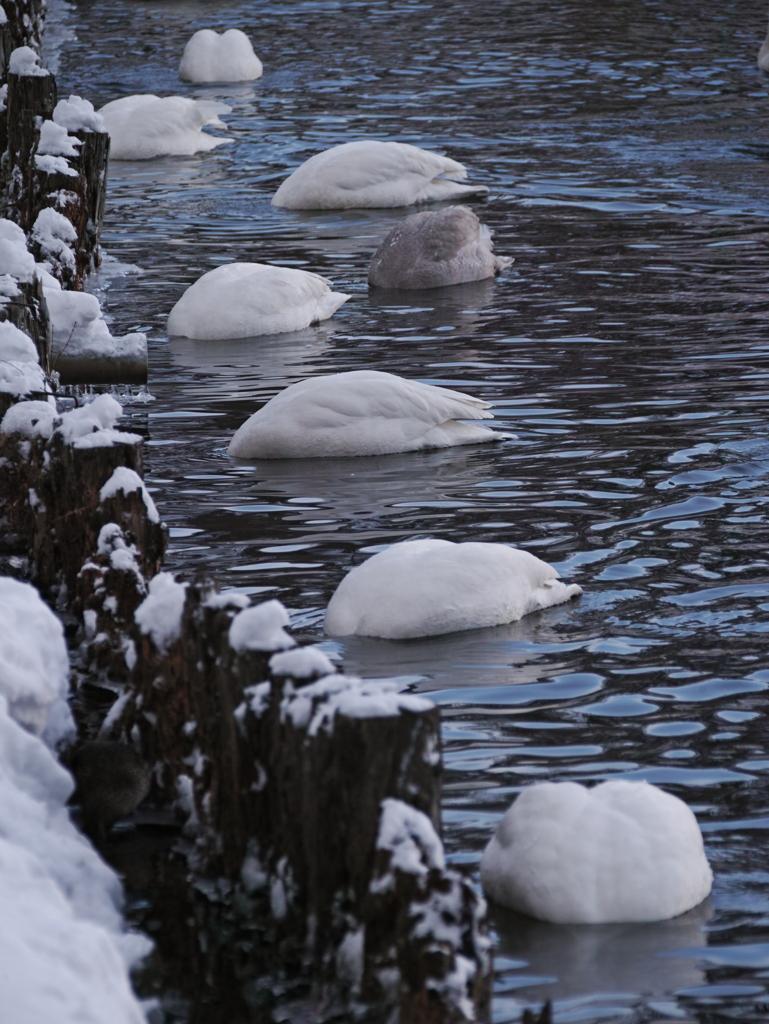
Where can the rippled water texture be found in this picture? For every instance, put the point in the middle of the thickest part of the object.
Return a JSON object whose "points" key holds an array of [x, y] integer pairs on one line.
{"points": [[626, 148]]}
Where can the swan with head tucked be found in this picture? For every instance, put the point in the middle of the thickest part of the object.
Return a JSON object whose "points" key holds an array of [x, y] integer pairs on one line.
{"points": [[435, 249], [210, 57], [622, 851], [429, 587], [763, 55], [371, 174], [145, 126], [363, 412], [243, 300]]}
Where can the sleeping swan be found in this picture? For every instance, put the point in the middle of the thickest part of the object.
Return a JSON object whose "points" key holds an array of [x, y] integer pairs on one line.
{"points": [[432, 250], [363, 412], [622, 851], [147, 126], [243, 300], [210, 57], [428, 587], [370, 174]]}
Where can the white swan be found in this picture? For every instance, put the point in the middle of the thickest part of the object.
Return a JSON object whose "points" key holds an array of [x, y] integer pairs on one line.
{"points": [[370, 174], [763, 55], [363, 412], [430, 587], [242, 300], [146, 126], [623, 851], [434, 249], [210, 57]]}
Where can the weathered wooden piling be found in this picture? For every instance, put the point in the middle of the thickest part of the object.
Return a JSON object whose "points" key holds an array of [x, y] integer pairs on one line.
{"points": [[316, 796]]}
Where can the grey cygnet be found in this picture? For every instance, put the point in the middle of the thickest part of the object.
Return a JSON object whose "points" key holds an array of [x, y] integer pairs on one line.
{"points": [[435, 249], [111, 783]]}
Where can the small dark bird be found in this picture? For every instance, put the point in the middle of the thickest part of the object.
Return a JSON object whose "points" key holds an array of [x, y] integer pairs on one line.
{"points": [[111, 783]]}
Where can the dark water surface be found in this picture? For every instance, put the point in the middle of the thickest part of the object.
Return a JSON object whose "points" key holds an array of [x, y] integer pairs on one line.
{"points": [[626, 146]]}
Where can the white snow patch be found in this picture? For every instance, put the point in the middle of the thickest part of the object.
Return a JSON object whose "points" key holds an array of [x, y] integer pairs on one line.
{"points": [[127, 480], [63, 952], [316, 706], [34, 665], [261, 628], [227, 599], [77, 114], [20, 370], [33, 419], [301, 663], [14, 258], [52, 231], [410, 837], [91, 426], [80, 331], [55, 141], [160, 613], [24, 62]]}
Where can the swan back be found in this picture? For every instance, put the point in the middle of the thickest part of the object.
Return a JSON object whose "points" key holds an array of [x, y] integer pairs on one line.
{"points": [[145, 126], [622, 851], [210, 57], [243, 300], [363, 412], [430, 587], [763, 55], [368, 174], [435, 249]]}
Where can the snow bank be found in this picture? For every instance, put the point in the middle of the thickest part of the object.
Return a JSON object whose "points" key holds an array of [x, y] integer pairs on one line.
{"points": [[34, 665], [146, 126], [20, 370], [261, 628], [24, 62], [623, 851], [64, 955], [210, 57], [78, 115], [127, 480], [315, 707], [160, 613]]}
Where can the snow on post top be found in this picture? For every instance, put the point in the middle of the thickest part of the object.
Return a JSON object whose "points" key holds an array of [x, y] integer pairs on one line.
{"points": [[315, 707], [301, 663], [160, 613], [261, 628], [24, 62], [78, 115], [127, 480]]}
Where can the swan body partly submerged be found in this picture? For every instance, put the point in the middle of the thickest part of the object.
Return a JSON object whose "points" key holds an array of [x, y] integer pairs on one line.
{"points": [[622, 851], [210, 57], [145, 126], [429, 587], [435, 249], [243, 300], [363, 412], [763, 55], [370, 174]]}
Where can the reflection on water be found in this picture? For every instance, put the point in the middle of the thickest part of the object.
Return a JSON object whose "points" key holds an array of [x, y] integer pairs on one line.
{"points": [[626, 348]]}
